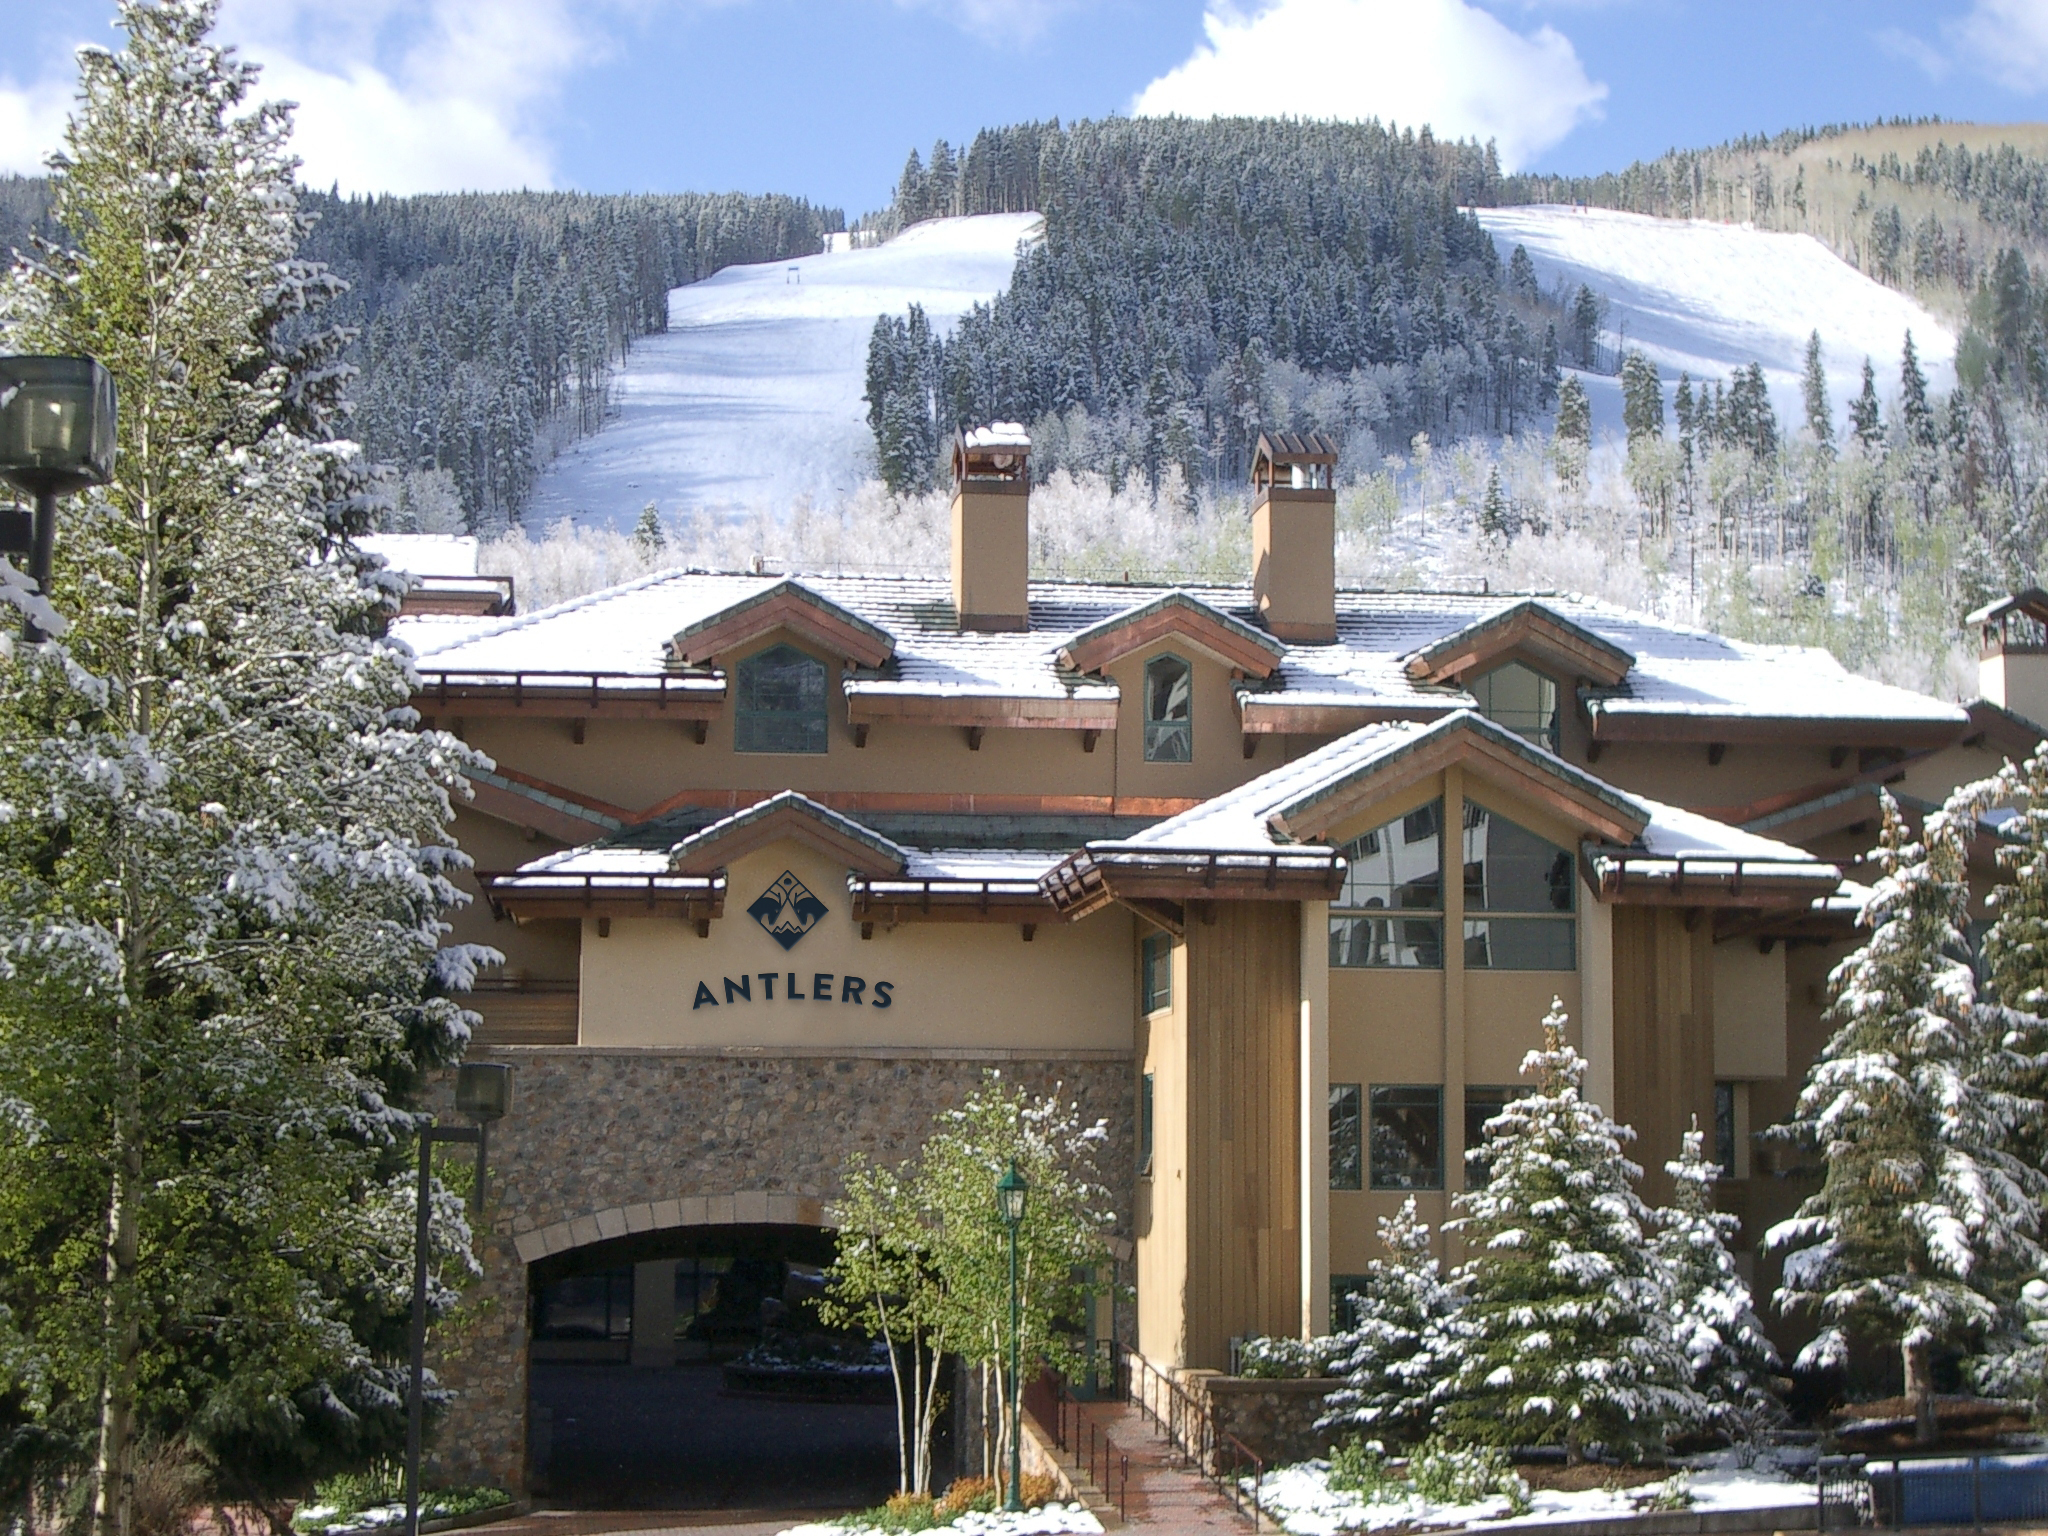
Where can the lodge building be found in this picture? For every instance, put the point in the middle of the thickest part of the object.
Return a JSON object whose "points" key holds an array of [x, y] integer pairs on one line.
{"points": [[1276, 877]]}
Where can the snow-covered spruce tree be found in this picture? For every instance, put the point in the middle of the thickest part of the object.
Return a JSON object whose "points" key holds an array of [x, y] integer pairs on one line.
{"points": [[222, 842], [1565, 1337], [1733, 1360], [1925, 1215], [1390, 1351]]}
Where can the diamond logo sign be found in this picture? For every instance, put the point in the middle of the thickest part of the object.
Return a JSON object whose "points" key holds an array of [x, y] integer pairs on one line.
{"points": [[787, 910]]}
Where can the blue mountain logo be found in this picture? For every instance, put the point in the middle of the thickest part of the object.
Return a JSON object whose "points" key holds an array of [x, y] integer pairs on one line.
{"points": [[787, 910]]}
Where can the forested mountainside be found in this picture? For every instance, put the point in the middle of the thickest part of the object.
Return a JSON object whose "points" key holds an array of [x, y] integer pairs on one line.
{"points": [[1200, 280], [487, 325]]}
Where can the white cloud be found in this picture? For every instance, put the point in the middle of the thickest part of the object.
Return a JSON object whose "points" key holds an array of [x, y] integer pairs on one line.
{"points": [[1918, 52], [1446, 63], [2007, 40], [31, 123]]}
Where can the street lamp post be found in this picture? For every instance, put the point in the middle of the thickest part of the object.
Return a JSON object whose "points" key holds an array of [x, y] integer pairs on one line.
{"points": [[483, 1091], [1011, 1189], [57, 417]]}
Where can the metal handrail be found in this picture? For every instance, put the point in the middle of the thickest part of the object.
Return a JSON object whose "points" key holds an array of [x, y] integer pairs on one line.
{"points": [[1191, 1431]]}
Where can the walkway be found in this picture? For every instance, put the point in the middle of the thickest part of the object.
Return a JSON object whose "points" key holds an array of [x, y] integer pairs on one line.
{"points": [[1164, 1494]]}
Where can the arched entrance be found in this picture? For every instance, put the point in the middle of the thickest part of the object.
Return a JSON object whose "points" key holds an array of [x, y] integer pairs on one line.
{"points": [[680, 1363]]}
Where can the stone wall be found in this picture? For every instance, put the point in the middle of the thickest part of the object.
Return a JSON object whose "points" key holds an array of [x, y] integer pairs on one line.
{"points": [[652, 1138], [1275, 1420]]}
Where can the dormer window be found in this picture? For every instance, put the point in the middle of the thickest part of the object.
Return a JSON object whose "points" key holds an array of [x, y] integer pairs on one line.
{"points": [[1520, 699], [779, 702], [1169, 711]]}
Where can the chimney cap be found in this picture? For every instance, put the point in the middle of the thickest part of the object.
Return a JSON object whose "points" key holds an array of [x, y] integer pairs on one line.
{"points": [[1296, 448], [999, 451]]}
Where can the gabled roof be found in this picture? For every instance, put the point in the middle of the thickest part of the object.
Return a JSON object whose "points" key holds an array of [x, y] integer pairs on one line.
{"points": [[1251, 651], [790, 605], [797, 818], [2028, 600], [1296, 448], [1527, 625]]}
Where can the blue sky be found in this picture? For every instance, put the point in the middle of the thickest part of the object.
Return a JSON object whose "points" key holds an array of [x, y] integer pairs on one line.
{"points": [[823, 98]]}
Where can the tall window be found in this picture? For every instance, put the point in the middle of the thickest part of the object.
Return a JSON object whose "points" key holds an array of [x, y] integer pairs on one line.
{"points": [[1145, 1124], [779, 702], [1390, 911], [1169, 711], [1520, 894], [1724, 1129], [1520, 699], [1407, 1137], [1347, 1141], [1481, 1105], [1157, 954]]}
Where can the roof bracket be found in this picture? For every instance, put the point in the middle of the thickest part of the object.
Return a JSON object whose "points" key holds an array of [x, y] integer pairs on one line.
{"points": [[1716, 750], [698, 730], [576, 730], [1088, 740], [974, 735], [703, 927], [1837, 756], [860, 734], [1251, 745]]}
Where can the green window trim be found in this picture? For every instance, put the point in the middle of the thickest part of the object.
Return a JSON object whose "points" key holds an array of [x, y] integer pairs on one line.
{"points": [[1405, 1142], [1169, 697], [1156, 962], [1390, 911], [1347, 1140], [779, 703], [1521, 700], [1521, 897]]}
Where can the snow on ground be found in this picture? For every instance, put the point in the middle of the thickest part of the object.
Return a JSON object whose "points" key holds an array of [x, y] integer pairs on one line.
{"points": [[1708, 298], [1301, 1499], [1052, 1520], [753, 395]]}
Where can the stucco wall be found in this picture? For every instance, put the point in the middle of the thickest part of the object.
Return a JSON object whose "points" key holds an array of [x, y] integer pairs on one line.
{"points": [[596, 1131]]}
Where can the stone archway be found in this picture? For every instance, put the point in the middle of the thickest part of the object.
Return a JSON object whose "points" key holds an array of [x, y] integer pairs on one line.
{"points": [[747, 1207]]}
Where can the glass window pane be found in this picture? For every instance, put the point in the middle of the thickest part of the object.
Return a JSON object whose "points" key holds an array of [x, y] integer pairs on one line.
{"points": [[1169, 711], [1359, 940], [1481, 1105], [1522, 700], [1510, 869], [1157, 950], [1521, 944], [1344, 1292], [1724, 1128], [1345, 1142], [1397, 865], [1407, 1137], [779, 702]]}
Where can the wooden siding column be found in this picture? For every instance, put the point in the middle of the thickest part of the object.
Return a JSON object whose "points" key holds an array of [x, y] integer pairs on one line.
{"points": [[1596, 996], [1663, 1034], [1243, 1155], [1314, 1060], [1453, 845]]}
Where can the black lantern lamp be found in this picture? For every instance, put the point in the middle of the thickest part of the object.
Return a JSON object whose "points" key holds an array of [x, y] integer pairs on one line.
{"points": [[1011, 1190], [57, 417], [483, 1092]]}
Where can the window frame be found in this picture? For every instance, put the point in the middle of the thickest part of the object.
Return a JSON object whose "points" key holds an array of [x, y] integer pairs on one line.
{"points": [[1343, 916], [1155, 965], [1354, 1115], [1181, 729], [1548, 736], [1373, 1179], [1477, 1174], [1727, 1150], [745, 714], [1482, 917]]}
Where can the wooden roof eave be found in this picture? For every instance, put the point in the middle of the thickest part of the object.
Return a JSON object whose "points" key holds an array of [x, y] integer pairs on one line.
{"points": [[562, 897], [709, 852], [1547, 638], [1001, 712], [800, 613], [570, 695], [1262, 714], [1174, 622], [949, 901], [1771, 730], [1705, 880]]}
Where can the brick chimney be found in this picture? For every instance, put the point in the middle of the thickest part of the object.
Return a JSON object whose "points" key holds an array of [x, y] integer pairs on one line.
{"points": [[2012, 670], [1294, 535], [991, 526]]}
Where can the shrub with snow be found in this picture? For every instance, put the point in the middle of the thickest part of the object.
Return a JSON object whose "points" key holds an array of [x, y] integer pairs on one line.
{"points": [[1392, 1355]]}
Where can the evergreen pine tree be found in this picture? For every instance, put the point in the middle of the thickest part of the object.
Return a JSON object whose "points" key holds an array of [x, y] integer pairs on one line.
{"points": [[1388, 1360], [1925, 1214], [1565, 1337], [1522, 277], [1713, 1313], [1819, 416], [1496, 514], [1683, 409], [649, 539], [1916, 416], [1864, 414], [1586, 326], [1642, 399], [1574, 413]]}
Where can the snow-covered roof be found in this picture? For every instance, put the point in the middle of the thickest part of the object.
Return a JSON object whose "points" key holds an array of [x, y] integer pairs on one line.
{"points": [[997, 434], [424, 554], [1678, 672]]}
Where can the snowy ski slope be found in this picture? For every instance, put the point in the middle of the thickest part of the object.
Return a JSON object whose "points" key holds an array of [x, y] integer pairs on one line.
{"points": [[1709, 298], [753, 396]]}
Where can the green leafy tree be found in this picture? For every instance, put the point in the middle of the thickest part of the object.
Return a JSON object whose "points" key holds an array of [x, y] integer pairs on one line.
{"points": [[1565, 1337], [929, 1269], [1712, 1311], [1925, 1215], [224, 858]]}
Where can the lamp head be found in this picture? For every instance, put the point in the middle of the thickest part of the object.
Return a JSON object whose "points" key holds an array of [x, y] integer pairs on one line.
{"points": [[1011, 1189], [56, 423], [483, 1089]]}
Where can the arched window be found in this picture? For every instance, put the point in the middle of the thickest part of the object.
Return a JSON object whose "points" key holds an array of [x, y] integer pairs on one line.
{"points": [[1169, 711], [1523, 700], [779, 702]]}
